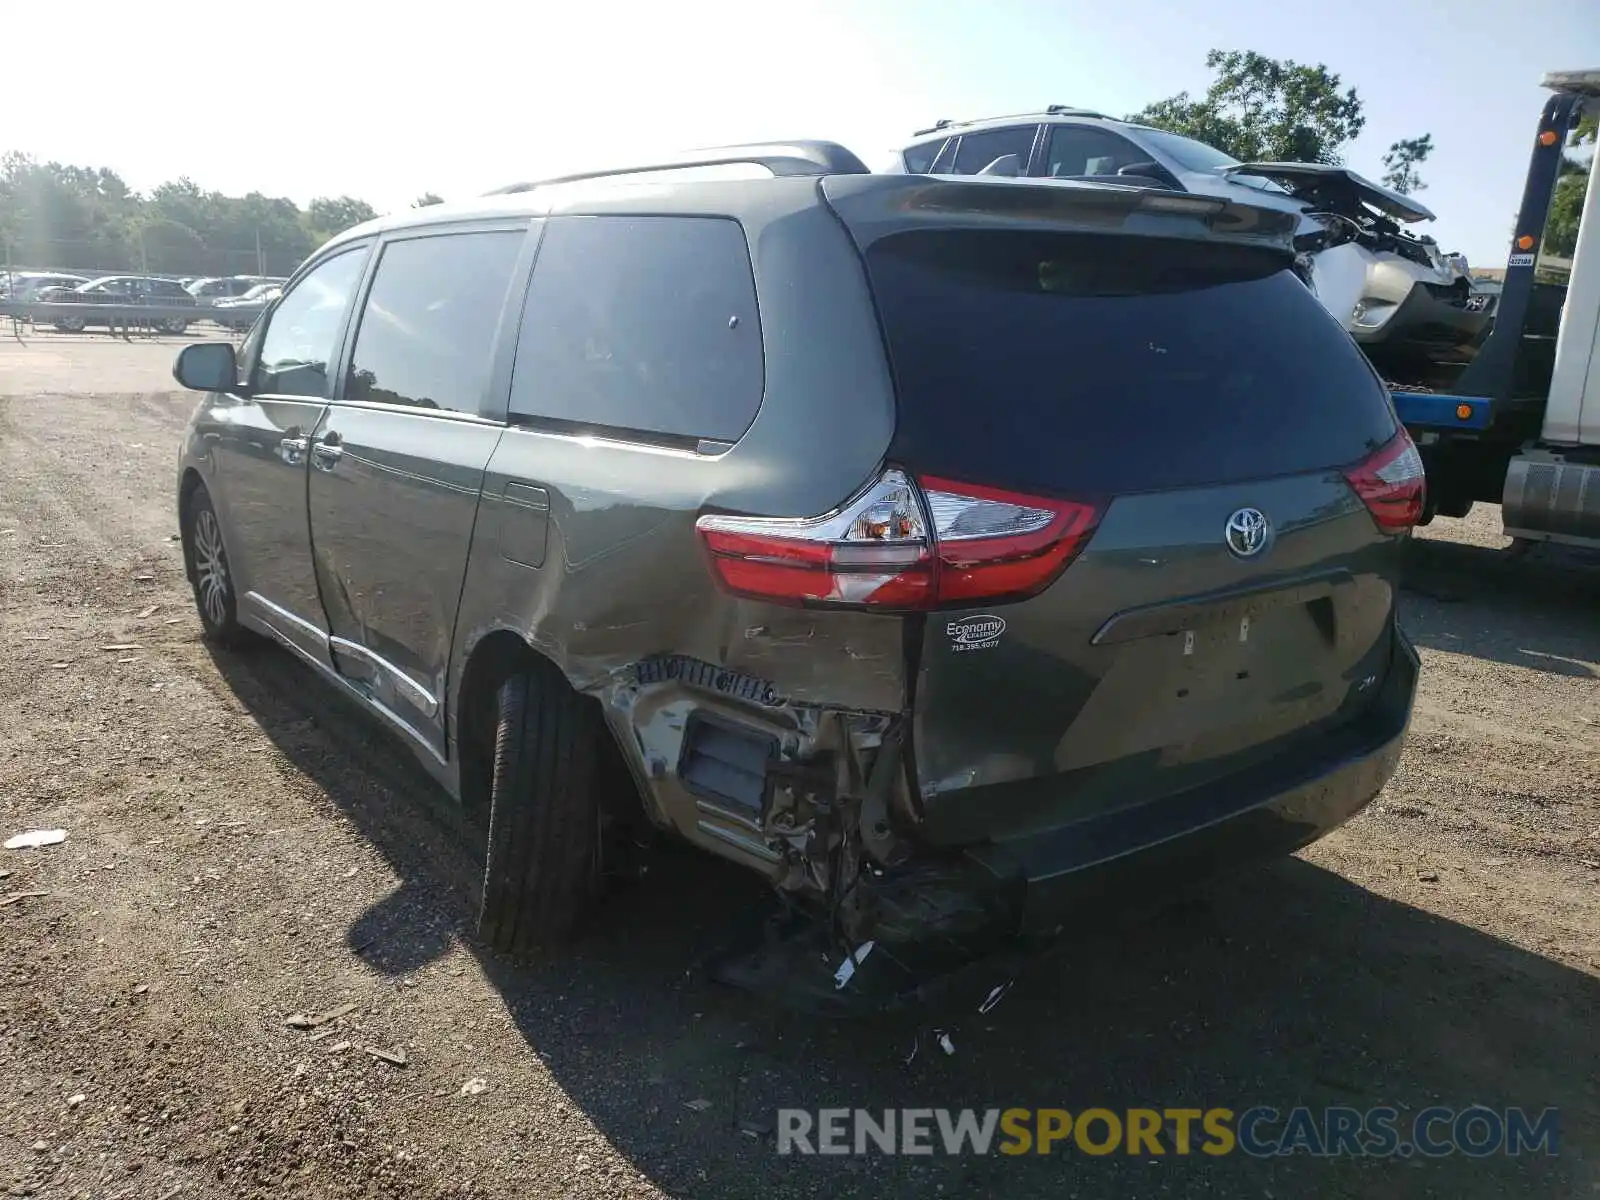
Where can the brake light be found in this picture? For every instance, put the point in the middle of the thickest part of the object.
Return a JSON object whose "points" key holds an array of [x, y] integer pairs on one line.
{"points": [[903, 544], [1391, 483]]}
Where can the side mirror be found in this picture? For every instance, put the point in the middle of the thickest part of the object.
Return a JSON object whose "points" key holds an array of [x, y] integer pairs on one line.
{"points": [[207, 367]]}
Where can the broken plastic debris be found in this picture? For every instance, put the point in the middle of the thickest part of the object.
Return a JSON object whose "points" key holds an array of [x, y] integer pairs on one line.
{"points": [[297, 1021], [35, 838], [333, 1014], [944, 1041], [474, 1087], [395, 1057], [996, 994], [14, 897], [338, 1047], [699, 1105], [121, 646], [847, 969]]}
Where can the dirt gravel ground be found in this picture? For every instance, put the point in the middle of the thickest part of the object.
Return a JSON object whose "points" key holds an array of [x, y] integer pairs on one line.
{"points": [[243, 846]]}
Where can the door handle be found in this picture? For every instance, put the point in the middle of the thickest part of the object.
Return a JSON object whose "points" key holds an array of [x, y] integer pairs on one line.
{"points": [[292, 450], [328, 451]]}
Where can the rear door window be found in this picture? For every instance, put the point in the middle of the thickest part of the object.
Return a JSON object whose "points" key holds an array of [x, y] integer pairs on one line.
{"points": [[1091, 364], [978, 150], [644, 325], [919, 159], [426, 336], [1080, 150]]}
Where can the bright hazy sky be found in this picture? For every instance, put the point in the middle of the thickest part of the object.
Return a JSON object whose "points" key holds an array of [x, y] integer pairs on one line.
{"points": [[386, 101]]}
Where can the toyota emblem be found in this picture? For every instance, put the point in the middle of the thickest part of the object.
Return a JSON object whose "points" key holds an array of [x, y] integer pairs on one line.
{"points": [[1248, 531]]}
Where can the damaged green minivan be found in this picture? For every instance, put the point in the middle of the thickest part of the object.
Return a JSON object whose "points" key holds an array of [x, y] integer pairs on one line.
{"points": [[947, 550]]}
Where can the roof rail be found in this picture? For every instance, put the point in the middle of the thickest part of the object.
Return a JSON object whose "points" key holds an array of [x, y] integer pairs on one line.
{"points": [[1054, 110], [781, 158]]}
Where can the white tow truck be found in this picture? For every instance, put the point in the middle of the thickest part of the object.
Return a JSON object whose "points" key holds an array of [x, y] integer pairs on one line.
{"points": [[1520, 423]]}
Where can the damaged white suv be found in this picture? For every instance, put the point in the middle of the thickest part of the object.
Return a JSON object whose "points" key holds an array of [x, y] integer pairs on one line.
{"points": [[1405, 302]]}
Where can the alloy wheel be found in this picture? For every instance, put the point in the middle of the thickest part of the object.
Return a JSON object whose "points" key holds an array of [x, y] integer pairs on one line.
{"points": [[211, 567]]}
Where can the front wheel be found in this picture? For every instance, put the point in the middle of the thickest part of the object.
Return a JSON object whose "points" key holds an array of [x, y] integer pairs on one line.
{"points": [[205, 559], [544, 813], [175, 325], [71, 325]]}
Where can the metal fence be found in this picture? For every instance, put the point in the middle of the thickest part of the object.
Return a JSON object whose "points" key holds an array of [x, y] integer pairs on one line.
{"points": [[91, 260]]}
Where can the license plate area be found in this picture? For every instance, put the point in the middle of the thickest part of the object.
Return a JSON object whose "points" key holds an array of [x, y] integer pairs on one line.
{"points": [[1224, 681]]}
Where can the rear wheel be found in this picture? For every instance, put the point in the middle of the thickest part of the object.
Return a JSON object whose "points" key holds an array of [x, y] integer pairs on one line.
{"points": [[544, 813], [206, 561], [72, 325], [173, 325]]}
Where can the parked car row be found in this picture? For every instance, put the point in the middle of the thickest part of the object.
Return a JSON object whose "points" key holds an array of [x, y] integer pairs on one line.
{"points": [[240, 312], [233, 301], [213, 289]]}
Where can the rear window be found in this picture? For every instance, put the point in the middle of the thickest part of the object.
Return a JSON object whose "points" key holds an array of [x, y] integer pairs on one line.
{"points": [[644, 325], [919, 158], [1090, 364]]}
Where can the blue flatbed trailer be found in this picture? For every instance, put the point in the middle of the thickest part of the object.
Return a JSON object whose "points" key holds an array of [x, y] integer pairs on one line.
{"points": [[1442, 412]]}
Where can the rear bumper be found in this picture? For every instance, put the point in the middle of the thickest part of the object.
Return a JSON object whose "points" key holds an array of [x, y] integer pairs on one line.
{"points": [[1269, 811]]}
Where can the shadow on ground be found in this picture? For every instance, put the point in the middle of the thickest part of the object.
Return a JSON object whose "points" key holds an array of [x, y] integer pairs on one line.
{"points": [[1290, 986], [1536, 610]]}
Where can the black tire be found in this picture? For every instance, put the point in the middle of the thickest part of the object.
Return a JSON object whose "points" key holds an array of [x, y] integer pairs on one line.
{"points": [[174, 325], [205, 560], [542, 867]]}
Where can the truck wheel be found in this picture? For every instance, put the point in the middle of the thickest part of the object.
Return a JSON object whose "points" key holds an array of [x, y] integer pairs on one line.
{"points": [[544, 814]]}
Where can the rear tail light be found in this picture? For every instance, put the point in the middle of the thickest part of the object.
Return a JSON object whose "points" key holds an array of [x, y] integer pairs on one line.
{"points": [[1391, 484], [901, 544]]}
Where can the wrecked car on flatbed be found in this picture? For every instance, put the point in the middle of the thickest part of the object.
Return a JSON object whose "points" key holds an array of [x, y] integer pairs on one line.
{"points": [[937, 548]]}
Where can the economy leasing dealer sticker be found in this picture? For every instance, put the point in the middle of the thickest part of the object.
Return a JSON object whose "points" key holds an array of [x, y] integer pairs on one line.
{"points": [[975, 633]]}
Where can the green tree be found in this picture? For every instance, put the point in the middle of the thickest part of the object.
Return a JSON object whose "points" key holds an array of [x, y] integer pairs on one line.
{"points": [[88, 219], [327, 216], [1566, 206], [170, 248], [427, 200], [70, 217], [1401, 161], [1261, 109]]}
